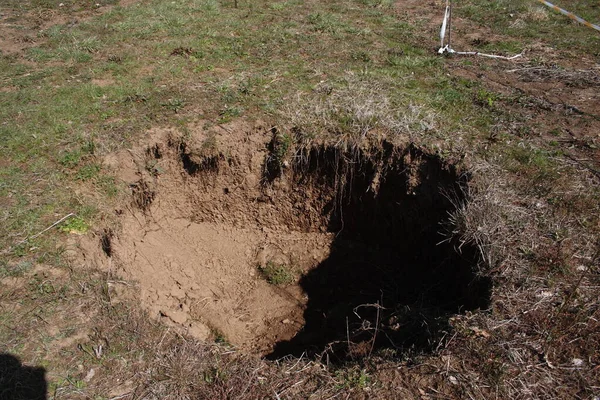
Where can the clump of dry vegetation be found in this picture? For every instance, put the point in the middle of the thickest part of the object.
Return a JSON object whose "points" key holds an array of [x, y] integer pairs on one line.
{"points": [[354, 109]]}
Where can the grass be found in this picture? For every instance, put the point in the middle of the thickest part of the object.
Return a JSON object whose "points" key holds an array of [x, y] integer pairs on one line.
{"points": [[277, 274], [247, 75], [338, 70]]}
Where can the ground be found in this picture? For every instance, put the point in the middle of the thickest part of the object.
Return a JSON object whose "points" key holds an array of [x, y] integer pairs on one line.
{"points": [[219, 199]]}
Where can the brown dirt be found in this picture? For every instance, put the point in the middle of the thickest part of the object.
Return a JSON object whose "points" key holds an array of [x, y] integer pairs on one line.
{"points": [[195, 247]]}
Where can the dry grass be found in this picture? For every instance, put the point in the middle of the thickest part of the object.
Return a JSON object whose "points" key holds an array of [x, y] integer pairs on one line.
{"points": [[347, 112], [544, 324]]}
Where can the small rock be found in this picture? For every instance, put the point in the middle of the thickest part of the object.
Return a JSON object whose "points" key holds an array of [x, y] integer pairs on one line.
{"points": [[199, 331], [178, 293], [453, 380], [261, 257], [286, 321], [577, 362], [178, 317], [90, 375]]}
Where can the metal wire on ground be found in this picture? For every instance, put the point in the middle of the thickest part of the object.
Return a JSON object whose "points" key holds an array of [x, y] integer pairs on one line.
{"points": [[570, 15]]}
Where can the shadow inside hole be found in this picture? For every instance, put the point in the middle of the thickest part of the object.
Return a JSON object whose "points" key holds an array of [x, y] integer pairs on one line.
{"points": [[106, 242], [388, 282]]}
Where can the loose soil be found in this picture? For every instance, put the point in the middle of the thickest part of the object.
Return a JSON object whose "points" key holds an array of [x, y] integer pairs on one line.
{"points": [[358, 230]]}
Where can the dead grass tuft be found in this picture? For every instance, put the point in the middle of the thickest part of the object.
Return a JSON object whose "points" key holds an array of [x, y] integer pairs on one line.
{"points": [[143, 196], [348, 111], [535, 14]]}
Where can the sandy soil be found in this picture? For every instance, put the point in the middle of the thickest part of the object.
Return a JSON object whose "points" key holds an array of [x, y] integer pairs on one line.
{"points": [[196, 248]]}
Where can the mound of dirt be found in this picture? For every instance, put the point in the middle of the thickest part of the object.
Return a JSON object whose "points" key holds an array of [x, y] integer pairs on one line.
{"points": [[235, 234]]}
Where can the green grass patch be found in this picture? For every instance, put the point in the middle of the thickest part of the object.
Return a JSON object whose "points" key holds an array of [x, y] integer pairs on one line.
{"points": [[277, 274]]}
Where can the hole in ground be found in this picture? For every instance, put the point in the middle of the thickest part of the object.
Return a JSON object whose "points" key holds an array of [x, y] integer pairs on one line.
{"points": [[391, 281], [106, 242], [325, 252]]}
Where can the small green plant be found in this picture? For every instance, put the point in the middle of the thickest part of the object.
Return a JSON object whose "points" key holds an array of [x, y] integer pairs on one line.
{"points": [[353, 378], [71, 159], [283, 145], [108, 185], [212, 374], [324, 22], [153, 167], [229, 113], [174, 105], [276, 274], [486, 98], [75, 225], [18, 269], [220, 338]]}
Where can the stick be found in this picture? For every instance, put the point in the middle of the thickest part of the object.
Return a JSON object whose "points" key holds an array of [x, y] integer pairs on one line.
{"points": [[450, 24], [476, 53], [347, 332], [447, 48], [376, 328]]}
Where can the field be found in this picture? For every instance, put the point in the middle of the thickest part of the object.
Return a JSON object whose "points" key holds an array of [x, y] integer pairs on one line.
{"points": [[224, 199]]}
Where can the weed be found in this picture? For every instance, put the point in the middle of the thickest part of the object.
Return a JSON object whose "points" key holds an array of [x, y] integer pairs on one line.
{"points": [[71, 159], [353, 378], [220, 338], [277, 274], [108, 185], [75, 225], [486, 98], [18, 269], [229, 113], [175, 104]]}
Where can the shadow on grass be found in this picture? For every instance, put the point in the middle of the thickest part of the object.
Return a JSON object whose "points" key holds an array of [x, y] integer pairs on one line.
{"points": [[20, 382]]}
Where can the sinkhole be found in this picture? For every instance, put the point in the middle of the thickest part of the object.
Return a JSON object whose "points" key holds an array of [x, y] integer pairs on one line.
{"points": [[363, 228]]}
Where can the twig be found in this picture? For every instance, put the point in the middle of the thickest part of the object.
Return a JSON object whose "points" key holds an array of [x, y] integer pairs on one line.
{"points": [[347, 332], [376, 329], [121, 396], [476, 53]]}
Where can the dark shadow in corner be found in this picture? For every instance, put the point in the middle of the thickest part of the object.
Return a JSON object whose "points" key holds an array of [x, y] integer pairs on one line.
{"points": [[388, 284], [19, 382]]}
